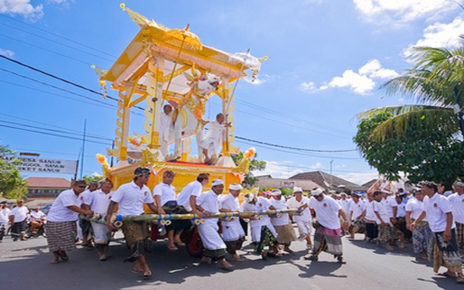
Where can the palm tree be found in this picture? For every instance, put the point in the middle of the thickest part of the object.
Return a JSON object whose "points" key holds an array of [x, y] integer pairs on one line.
{"points": [[436, 83]]}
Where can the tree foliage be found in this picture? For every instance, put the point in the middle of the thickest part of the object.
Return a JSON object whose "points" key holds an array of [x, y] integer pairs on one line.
{"points": [[12, 185], [93, 178], [418, 153], [250, 180]]}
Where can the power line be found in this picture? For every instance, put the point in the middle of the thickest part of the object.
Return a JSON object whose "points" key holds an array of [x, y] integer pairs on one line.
{"points": [[112, 98], [56, 42], [45, 49], [57, 131], [294, 148], [62, 79], [51, 134], [59, 35]]}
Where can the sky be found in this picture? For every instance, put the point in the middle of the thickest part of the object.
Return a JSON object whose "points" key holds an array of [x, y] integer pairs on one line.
{"points": [[327, 61]]}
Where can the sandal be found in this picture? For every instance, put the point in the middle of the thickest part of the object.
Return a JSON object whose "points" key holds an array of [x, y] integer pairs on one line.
{"points": [[446, 274], [55, 260], [460, 280], [64, 257], [180, 244], [173, 248], [147, 274]]}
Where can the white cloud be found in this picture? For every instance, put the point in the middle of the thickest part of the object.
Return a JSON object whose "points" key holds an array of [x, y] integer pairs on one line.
{"points": [[359, 178], [361, 82], [401, 11], [6, 52], [440, 35], [258, 80], [317, 166], [276, 170], [308, 87], [21, 7]]}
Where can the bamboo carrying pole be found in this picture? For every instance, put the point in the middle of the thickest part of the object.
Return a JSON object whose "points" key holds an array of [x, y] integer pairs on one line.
{"points": [[166, 219]]}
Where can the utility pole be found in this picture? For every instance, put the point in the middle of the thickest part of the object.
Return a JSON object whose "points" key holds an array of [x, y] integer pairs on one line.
{"points": [[331, 163], [83, 149]]}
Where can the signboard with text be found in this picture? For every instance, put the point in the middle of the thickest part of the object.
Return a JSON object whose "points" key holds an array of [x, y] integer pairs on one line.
{"points": [[43, 165]]}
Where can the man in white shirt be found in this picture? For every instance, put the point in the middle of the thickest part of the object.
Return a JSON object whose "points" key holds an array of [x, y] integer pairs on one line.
{"points": [[166, 202], [281, 222], [437, 209], [37, 219], [421, 234], [214, 138], [17, 218], [61, 226], [130, 198], [457, 206], [166, 129], [4, 213], [263, 233], [188, 196], [84, 224], [401, 230], [372, 230], [328, 230], [386, 231], [357, 212], [98, 202], [232, 231], [303, 218], [215, 248]]}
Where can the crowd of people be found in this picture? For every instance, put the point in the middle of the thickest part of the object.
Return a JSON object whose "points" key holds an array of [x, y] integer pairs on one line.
{"points": [[20, 221], [427, 216]]}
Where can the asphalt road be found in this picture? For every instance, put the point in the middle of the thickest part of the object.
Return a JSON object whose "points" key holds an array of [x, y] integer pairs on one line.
{"points": [[24, 265]]}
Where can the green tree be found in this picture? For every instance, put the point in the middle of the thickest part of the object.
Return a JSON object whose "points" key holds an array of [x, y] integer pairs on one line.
{"points": [[250, 180], [436, 83], [92, 178], [286, 191], [419, 154], [12, 185]]}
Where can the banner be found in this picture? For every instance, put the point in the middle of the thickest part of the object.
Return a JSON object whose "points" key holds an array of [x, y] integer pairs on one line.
{"points": [[43, 165]]}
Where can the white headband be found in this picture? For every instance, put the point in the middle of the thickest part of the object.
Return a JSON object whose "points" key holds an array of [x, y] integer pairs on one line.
{"points": [[217, 182], [235, 186]]}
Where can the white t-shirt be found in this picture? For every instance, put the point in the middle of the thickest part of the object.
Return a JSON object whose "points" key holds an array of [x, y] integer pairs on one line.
{"points": [[436, 209], [457, 206], [166, 192], [381, 209], [294, 204], [401, 212], [209, 202], [357, 208], [100, 201], [416, 207], [229, 202], [370, 214], [262, 204], [59, 211], [326, 212], [193, 188], [131, 198], [19, 213], [346, 203], [37, 215], [4, 213], [389, 203], [86, 197], [283, 220]]}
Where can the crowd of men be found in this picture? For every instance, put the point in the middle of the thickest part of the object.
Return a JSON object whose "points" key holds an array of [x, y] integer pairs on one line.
{"points": [[20, 221], [431, 220]]}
